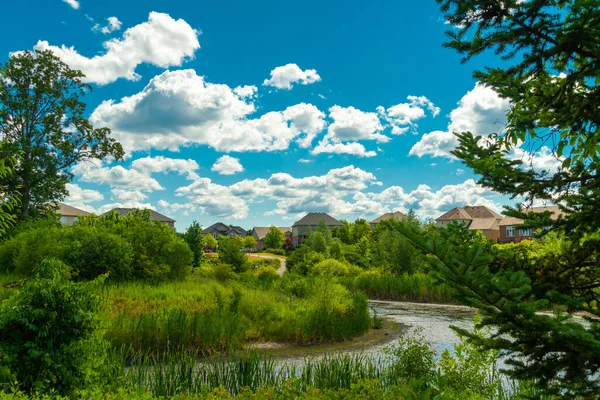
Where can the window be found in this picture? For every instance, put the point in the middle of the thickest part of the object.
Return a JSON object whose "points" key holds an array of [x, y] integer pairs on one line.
{"points": [[215, 235], [510, 231], [525, 232]]}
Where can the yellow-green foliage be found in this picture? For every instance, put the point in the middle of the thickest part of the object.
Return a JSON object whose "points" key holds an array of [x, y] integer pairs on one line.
{"points": [[207, 315], [330, 268]]}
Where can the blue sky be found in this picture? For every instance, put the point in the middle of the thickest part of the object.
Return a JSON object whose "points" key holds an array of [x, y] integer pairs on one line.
{"points": [[253, 113]]}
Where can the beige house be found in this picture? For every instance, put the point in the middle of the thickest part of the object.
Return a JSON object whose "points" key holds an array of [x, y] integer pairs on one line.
{"points": [[391, 215], [511, 231], [154, 216], [259, 233], [311, 221], [478, 218], [69, 214]]}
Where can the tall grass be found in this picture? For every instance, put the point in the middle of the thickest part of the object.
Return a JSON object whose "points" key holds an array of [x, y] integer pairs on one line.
{"points": [[416, 287], [205, 316]]}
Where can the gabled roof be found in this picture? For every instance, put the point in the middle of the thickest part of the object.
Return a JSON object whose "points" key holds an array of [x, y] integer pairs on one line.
{"points": [[390, 215], [261, 231], [484, 223], [66, 210], [154, 216], [218, 226], [314, 218], [468, 213], [555, 210], [239, 230]]}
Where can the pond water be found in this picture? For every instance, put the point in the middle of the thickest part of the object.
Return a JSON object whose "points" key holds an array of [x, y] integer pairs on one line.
{"points": [[433, 320]]}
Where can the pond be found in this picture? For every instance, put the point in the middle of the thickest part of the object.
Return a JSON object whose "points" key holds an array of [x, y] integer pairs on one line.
{"points": [[433, 320]]}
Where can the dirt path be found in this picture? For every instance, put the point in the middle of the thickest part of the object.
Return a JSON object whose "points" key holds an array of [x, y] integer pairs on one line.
{"points": [[281, 270]]}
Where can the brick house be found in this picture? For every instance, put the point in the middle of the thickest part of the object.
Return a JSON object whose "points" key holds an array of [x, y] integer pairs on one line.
{"points": [[479, 218], [259, 233], [219, 228], [511, 230], [308, 223], [391, 215]]}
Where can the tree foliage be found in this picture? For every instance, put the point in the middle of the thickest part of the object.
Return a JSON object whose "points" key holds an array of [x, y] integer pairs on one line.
{"points": [[194, 238], [550, 72], [43, 125], [230, 253], [274, 239], [48, 333], [8, 202]]}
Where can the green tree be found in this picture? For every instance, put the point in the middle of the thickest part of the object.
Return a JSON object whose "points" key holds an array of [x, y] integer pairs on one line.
{"points": [[550, 71], [318, 242], [360, 229], [250, 241], [43, 125], [210, 241], [344, 232], [230, 253], [274, 239], [325, 231], [195, 240], [8, 203], [49, 338]]}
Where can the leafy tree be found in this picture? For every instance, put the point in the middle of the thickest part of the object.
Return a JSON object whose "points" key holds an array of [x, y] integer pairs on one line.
{"points": [[43, 125], [318, 242], [49, 338], [195, 240], [344, 232], [210, 241], [325, 231], [550, 75], [230, 253], [250, 241], [274, 239], [393, 252], [10, 202], [360, 229], [336, 250]]}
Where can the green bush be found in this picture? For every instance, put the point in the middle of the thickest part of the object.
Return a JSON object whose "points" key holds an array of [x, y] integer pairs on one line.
{"points": [[48, 333], [279, 252], [92, 252], [223, 272], [330, 268], [230, 253], [24, 252]]}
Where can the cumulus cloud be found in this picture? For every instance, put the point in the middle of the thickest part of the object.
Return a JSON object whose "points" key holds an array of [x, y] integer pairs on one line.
{"points": [[80, 198], [285, 76], [481, 111], [73, 3], [113, 24], [138, 177], [124, 195], [246, 91], [180, 108], [161, 41], [349, 126], [227, 165], [403, 116]]}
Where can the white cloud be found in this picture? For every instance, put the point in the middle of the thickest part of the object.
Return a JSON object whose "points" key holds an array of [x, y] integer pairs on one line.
{"points": [[349, 126], [80, 198], [161, 41], [180, 108], [285, 76], [246, 91], [227, 165], [72, 3], [125, 195], [116, 177], [113, 24], [403, 116], [305, 161], [149, 165], [481, 111]]}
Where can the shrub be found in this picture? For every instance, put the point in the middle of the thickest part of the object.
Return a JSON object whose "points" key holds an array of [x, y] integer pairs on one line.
{"points": [[24, 252], [230, 253], [223, 272], [330, 268], [93, 252], [279, 252], [48, 333]]}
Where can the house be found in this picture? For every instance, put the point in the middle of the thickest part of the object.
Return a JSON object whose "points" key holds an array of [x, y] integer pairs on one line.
{"points": [[154, 216], [511, 232], [391, 215], [69, 214], [259, 233], [220, 228], [478, 218], [309, 222]]}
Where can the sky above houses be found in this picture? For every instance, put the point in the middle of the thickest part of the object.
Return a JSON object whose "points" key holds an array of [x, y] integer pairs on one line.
{"points": [[254, 113]]}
